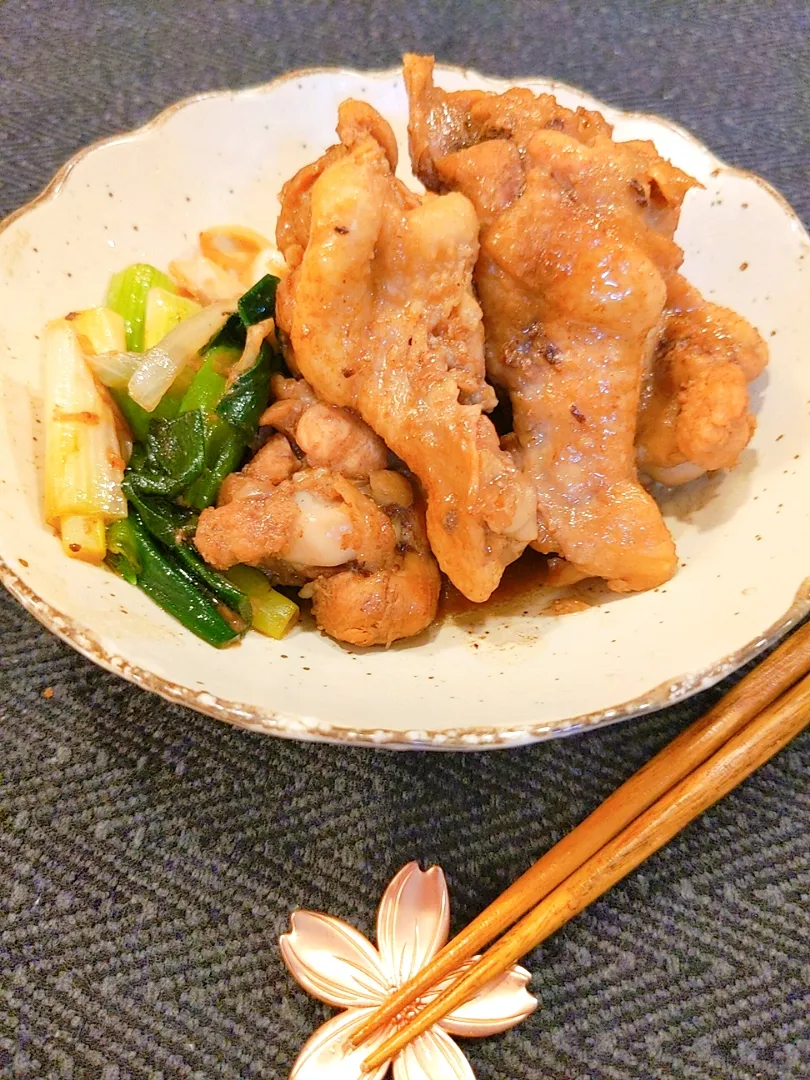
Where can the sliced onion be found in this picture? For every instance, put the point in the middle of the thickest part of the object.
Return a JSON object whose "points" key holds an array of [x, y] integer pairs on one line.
{"points": [[253, 343], [161, 365], [115, 369], [268, 261], [205, 280], [233, 247]]}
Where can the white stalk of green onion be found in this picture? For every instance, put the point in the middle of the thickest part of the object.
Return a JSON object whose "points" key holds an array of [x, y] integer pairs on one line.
{"points": [[84, 467]]}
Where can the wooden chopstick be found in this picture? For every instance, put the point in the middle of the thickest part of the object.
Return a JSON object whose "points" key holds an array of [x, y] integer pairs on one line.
{"points": [[758, 741], [753, 693]]}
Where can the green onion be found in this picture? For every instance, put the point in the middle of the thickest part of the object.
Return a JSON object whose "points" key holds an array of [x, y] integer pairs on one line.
{"points": [[225, 591], [254, 306], [223, 447], [174, 526], [183, 452], [273, 613], [164, 310], [231, 336], [172, 456], [208, 384], [138, 418], [127, 293], [169, 360], [227, 453], [134, 555], [123, 555], [230, 432], [176, 446], [169, 523], [259, 302], [246, 400]]}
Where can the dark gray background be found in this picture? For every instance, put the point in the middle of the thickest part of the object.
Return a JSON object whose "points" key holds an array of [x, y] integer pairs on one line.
{"points": [[149, 857]]}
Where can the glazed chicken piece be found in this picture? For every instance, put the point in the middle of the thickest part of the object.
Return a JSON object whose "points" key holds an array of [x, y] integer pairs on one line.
{"points": [[576, 251], [380, 316], [695, 414], [314, 520], [328, 436], [274, 463], [337, 521]]}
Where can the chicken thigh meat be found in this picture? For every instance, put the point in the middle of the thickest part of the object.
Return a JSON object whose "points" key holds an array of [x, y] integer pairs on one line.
{"points": [[343, 526], [695, 414], [543, 258], [380, 316], [576, 277]]}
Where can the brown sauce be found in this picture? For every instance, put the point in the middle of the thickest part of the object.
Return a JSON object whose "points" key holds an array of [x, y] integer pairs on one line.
{"points": [[565, 605], [521, 581]]}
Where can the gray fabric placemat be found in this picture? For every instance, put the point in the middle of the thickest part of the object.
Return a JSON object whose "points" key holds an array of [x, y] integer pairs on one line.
{"points": [[149, 857]]}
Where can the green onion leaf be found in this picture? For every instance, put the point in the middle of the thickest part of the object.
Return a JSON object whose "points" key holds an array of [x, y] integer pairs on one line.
{"points": [[169, 523], [174, 526], [138, 418], [231, 427], [226, 457], [122, 551], [208, 384], [231, 336], [174, 456], [134, 555], [259, 302], [176, 446], [246, 400]]}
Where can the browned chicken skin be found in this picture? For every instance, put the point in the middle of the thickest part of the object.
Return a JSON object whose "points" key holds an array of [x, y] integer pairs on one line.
{"points": [[611, 360], [352, 532], [582, 302], [695, 414], [381, 317], [576, 251], [379, 607], [314, 520]]}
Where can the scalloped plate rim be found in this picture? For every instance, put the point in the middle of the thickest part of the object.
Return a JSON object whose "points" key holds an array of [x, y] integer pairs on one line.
{"points": [[302, 728]]}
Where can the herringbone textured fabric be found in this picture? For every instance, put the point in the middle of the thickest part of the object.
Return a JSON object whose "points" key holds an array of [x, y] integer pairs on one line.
{"points": [[150, 857]]}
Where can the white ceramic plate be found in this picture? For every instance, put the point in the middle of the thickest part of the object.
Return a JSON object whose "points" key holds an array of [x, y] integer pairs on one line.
{"points": [[743, 539]]}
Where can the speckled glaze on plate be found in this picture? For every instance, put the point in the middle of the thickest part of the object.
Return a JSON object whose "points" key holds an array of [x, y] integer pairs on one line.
{"points": [[471, 683]]}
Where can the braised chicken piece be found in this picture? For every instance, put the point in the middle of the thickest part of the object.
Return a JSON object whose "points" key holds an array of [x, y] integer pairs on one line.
{"points": [[315, 519], [695, 414], [576, 251], [610, 360], [335, 520], [379, 316], [378, 607], [272, 464], [290, 400], [328, 436]]}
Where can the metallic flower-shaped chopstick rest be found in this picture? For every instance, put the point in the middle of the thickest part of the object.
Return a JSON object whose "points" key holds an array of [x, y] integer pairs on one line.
{"points": [[336, 964]]}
